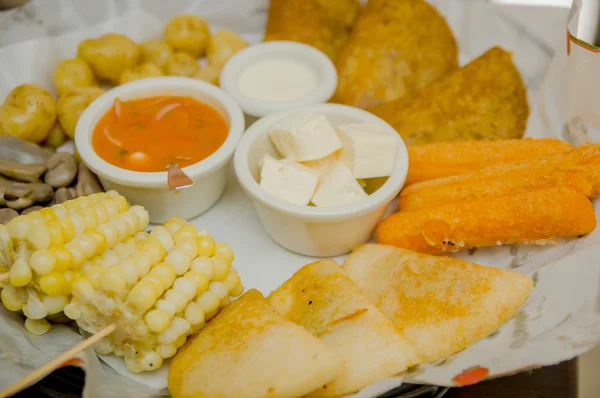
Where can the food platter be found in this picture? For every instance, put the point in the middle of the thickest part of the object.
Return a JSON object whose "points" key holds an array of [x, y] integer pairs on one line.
{"points": [[275, 229]]}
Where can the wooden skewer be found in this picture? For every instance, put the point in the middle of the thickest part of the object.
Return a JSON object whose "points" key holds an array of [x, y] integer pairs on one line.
{"points": [[4, 276], [55, 363]]}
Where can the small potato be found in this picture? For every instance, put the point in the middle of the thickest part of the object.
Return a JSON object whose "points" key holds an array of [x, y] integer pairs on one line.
{"points": [[187, 33], [209, 74], [222, 46], [140, 71], [28, 112], [156, 51], [182, 64], [109, 55], [72, 104], [56, 137], [70, 74]]}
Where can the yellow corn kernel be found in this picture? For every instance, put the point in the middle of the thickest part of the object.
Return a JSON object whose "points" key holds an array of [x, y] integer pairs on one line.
{"points": [[177, 220], [142, 215], [83, 290], [186, 287], [203, 265], [231, 281], [82, 202], [20, 273], [224, 251], [178, 327], [112, 279], [179, 300], [103, 347], [180, 260], [59, 210], [225, 301], [37, 218], [166, 350], [132, 365], [112, 209], [142, 296], [180, 341], [48, 213], [172, 227], [77, 255], [156, 282], [67, 227], [208, 301], [122, 229], [34, 308], [11, 299], [42, 261], [130, 270], [194, 314], [93, 274], [167, 306], [219, 289], [37, 327], [221, 267], [39, 237], [101, 214], [189, 246], [131, 221], [237, 291], [143, 261], [87, 243], [110, 234], [166, 272], [100, 241], [140, 236], [53, 284], [150, 361], [165, 238], [185, 232], [140, 330], [78, 223], [72, 310], [55, 304], [121, 203], [89, 218], [19, 226], [157, 320], [63, 258], [56, 233], [155, 249], [200, 280], [206, 246]]}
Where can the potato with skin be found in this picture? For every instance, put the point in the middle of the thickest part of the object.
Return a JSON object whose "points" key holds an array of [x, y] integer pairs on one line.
{"points": [[182, 64], [72, 104], [109, 55], [187, 33], [56, 137], [140, 71], [28, 112], [70, 74], [209, 74], [156, 51], [222, 46]]}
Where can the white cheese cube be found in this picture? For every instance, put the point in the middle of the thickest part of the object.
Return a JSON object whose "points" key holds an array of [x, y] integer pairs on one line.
{"points": [[320, 166], [287, 180], [305, 136], [367, 151], [338, 187]]}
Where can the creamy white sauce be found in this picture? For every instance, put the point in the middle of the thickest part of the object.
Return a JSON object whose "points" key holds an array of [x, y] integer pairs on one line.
{"points": [[277, 79]]}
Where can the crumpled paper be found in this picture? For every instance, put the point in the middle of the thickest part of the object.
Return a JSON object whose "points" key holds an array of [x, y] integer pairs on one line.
{"points": [[561, 318]]}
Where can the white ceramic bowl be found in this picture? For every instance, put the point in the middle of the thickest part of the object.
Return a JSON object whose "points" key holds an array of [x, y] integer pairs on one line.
{"points": [[309, 56], [150, 189], [307, 230]]}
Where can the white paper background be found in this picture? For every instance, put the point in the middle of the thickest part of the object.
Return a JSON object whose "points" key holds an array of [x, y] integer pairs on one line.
{"points": [[561, 318]]}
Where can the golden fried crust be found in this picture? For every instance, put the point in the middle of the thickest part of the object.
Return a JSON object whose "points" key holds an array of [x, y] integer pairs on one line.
{"points": [[396, 47], [525, 217], [441, 304], [322, 299], [486, 99], [323, 24], [250, 351]]}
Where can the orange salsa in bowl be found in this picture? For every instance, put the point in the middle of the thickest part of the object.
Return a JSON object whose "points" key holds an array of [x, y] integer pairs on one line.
{"points": [[149, 134]]}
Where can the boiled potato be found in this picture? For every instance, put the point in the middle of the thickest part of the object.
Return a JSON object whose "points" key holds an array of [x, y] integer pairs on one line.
{"points": [[72, 104], [222, 46], [70, 74], [187, 33], [56, 137], [28, 112], [140, 71], [209, 74], [109, 55], [156, 51], [182, 64]]}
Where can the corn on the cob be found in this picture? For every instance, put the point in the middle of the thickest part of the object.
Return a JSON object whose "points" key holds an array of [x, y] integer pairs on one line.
{"points": [[47, 250], [173, 281]]}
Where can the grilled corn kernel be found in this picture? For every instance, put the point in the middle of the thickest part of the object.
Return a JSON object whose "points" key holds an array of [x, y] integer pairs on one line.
{"points": [[206, 246]]}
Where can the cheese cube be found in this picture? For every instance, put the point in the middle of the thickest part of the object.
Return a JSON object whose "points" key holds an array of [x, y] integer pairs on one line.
{"points": [[305, 136], [367, 151], [287, 180], [320, 166], [338, 187]]}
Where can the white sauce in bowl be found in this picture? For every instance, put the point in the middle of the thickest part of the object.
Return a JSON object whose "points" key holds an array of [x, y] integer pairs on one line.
{"points": [[277, 79]]}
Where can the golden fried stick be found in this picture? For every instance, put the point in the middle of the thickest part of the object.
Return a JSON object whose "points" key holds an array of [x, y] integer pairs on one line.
{"points": [[323, 24], [486, 99], [396, 47], [525, 217], [442, 305], [443, 159]]}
